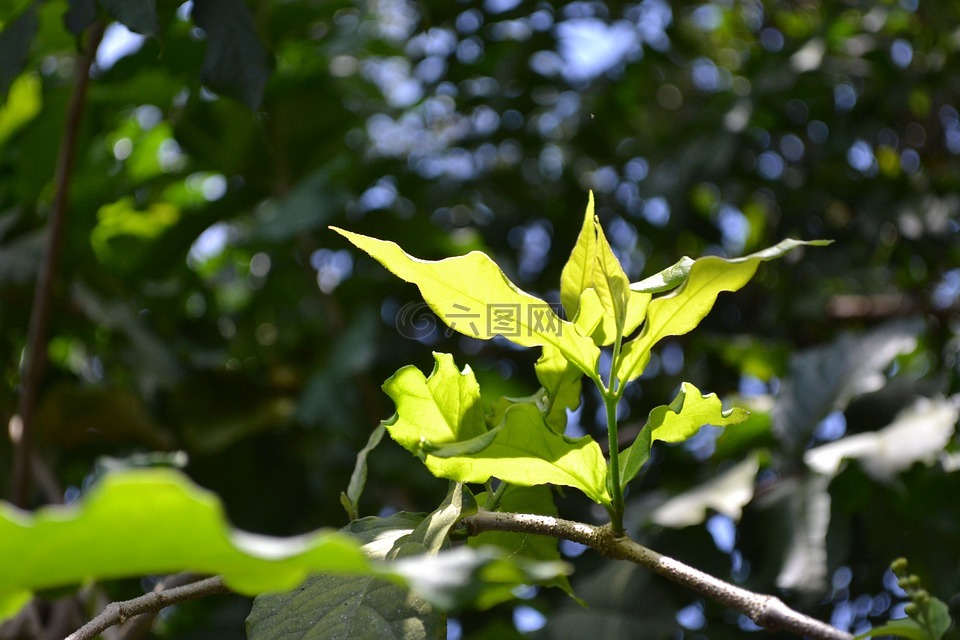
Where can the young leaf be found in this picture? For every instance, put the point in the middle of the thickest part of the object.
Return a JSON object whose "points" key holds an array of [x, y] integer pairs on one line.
{"points": [[676, 422], [680, 311], [472, 295], [439, 413], [527, 452], [442, 409], [592, 265], [903, 628], [151, 521], [350, 498], [561, 382], [431, 535], [670, 278]]}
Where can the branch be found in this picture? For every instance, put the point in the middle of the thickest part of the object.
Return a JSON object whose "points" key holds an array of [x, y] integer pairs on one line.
{"points": [[34, 360], [119, 612], [766, 611]]}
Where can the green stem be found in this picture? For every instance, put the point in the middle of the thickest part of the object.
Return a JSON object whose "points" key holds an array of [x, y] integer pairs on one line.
{"points": [[611, 398], [492, 503]]}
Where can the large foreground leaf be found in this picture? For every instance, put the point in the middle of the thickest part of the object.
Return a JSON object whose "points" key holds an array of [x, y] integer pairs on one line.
{"points": [[154, 521], [472, 295]]}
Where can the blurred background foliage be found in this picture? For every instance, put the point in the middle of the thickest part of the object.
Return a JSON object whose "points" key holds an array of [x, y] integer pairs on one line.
{"points": [[202, 306]]}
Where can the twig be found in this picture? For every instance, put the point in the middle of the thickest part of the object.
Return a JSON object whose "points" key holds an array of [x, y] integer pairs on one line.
{"points": [[34, 360], [766, 611], [119, 612]]}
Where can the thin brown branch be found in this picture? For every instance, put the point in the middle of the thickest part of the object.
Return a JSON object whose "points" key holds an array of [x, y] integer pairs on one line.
{"points": [[119, 612], [766, 611], [35, 357]]}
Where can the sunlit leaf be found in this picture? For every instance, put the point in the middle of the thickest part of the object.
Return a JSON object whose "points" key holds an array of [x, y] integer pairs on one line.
{"points": [[444, 409], [350, 499], [561, 382], [680, 311], [592, 265], [676, 422], [904, 628], [472, 296], [670, 278]]}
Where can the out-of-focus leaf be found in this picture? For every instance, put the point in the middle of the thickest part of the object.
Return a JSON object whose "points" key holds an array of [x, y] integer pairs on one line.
{"points": [[71, 416], [472, 296], [680, 311], [825, 379], [537, 500], [153, 521], [332, 607], [918, 434], [139, 16], [79, 15], [804, 515], [122, 230], [478, 578], [23, 104], [15, 41], [727, 494], [350, 498], [235, 62], [312, 203], [329, 606], [20, 258]]}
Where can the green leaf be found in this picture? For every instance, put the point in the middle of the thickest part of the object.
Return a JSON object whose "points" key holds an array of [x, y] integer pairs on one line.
{"points": [[670, 278], [235, 63], [444, 409], [680, 311], [152, 521], [140, 16], [676, 422], [561, 382], [536, 500], [903, 628], [527, 452], [592, 265], [472, 296], [23, 104], [350, 498], [431, 534], [331, 607], [15, 41]]}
